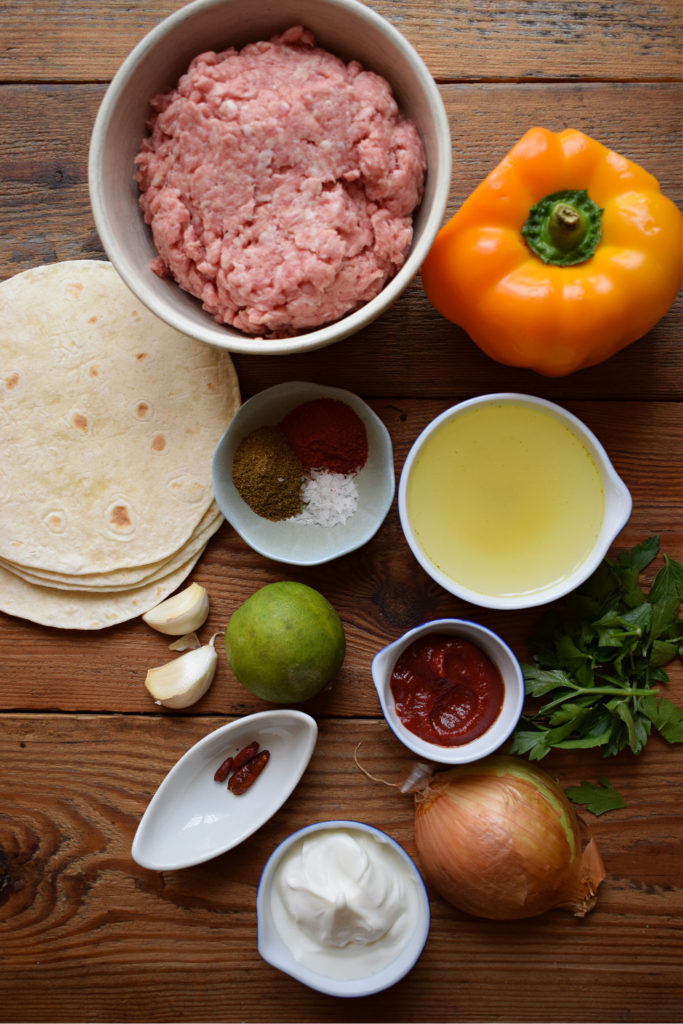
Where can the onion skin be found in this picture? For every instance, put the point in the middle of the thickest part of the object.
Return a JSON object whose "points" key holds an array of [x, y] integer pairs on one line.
{"points": [[499, 839]]}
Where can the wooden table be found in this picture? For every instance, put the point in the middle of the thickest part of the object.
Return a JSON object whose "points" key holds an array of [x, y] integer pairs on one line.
{"points": [[87, 935]]}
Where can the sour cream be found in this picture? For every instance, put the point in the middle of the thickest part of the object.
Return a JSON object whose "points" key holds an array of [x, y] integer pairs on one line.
{"points": [[345, 902]]}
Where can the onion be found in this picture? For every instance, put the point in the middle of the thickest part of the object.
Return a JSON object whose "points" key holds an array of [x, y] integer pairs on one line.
{"points": [[499, 839]]}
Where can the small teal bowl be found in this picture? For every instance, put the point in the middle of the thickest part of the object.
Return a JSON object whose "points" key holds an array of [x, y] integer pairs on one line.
{"points": [[289, 541]]}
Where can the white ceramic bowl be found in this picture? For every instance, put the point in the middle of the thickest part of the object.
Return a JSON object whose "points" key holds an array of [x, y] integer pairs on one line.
{"points": [[276, 951], [191, 818], [300, 543], [345, 27], [500, 654], [616, 510]]}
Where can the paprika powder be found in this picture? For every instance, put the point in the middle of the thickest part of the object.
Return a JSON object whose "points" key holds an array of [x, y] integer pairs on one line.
{"points": [[326, 433]]}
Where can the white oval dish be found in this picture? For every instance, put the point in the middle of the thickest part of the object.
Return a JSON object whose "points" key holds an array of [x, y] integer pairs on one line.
{"points": [[500, 654], [617, 507], [299, 543], [191, 818], [277, 952]]}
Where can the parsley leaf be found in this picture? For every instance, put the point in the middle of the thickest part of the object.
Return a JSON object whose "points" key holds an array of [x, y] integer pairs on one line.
{"points": [[669, 581], [666, 717], [598, 661], [596, 797]]}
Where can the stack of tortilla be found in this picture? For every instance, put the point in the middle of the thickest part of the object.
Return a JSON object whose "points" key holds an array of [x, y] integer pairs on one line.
{"points": [[108, 423]]}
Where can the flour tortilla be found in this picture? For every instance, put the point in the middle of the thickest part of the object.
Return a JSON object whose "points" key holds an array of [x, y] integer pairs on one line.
{"points": [[77, 609], [108, 423], [126, 579]]}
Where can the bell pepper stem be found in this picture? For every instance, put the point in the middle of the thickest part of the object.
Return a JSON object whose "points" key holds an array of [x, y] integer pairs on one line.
{"points": [[564, 228]]}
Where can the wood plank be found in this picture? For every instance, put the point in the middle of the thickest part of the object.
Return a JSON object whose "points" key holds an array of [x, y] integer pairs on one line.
{"points": [[114, 941], [479, 39], [46, 215], [379, 591]]}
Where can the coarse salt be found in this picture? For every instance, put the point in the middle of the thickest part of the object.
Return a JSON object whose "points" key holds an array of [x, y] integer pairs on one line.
{"points": [[329, 498]]}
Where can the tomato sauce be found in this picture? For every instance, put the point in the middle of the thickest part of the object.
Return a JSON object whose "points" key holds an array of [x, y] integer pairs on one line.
{"points": [[446, 690]]}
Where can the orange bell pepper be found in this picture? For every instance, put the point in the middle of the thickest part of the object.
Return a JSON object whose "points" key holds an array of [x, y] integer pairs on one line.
{"points": [[566, 253]]}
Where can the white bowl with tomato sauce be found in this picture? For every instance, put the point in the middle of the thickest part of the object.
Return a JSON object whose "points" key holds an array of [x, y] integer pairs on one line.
{"points": [[451, 690]]}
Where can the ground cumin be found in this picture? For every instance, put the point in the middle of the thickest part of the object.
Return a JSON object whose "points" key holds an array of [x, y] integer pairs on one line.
{"points": [[268, 475]]}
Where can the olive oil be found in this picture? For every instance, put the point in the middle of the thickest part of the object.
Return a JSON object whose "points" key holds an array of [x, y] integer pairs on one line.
{"points": [[505, 499]]}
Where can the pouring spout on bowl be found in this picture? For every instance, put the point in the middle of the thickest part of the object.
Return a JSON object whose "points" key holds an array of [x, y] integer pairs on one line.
{"points": [[618, 503]]}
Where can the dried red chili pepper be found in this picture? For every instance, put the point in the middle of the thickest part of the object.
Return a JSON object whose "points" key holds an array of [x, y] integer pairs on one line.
{"points": [[244, 777], [326, 433], [223, 770], [244, 755]]}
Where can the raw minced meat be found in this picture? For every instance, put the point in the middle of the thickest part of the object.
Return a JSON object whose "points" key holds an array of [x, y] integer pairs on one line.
{"points": [[279, 184]]}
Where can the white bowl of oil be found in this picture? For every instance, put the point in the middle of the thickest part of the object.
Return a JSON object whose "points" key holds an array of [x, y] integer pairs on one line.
{"points": [[510, 501]]}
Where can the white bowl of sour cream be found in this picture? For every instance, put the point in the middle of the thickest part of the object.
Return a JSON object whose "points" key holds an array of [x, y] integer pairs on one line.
{"points": [[342, 908]]}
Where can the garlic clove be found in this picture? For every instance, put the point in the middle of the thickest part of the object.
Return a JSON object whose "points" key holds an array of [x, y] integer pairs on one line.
{"points": [[184, 680], [183, 613]]}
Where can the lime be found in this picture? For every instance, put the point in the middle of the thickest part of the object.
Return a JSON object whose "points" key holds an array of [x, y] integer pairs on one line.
{"points": [[285, 642]]}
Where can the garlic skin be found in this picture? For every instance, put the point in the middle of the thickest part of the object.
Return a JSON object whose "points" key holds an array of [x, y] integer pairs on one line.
{"points": [[181, 614], [186, 642], [184, 680]]}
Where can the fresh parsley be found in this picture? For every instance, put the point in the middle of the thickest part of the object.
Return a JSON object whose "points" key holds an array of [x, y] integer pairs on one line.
{"points": [[598, 662], [596, 797]]}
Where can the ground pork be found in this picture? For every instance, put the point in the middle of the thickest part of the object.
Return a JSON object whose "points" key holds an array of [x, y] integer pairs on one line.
{"points": [[279, 184]]}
